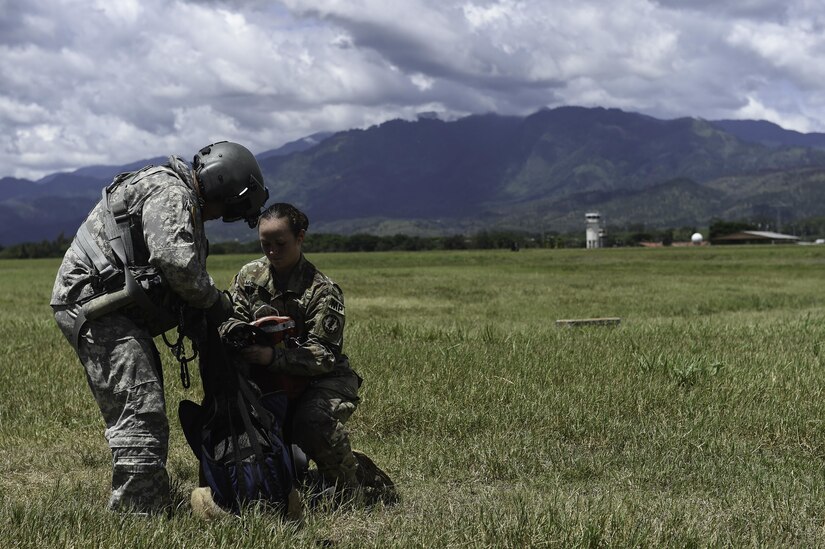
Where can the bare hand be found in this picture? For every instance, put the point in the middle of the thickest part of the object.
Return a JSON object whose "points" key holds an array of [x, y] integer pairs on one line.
{"points": [[260, 355]]}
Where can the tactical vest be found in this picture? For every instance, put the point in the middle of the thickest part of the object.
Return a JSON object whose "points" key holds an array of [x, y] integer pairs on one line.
{"points": [[130, 282]]}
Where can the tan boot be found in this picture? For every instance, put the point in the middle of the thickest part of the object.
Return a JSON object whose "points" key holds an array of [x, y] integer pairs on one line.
{"points": [[294, 507], [203, 506]]}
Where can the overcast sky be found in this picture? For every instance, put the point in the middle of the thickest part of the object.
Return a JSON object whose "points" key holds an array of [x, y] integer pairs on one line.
{"points": [[87, 82]]}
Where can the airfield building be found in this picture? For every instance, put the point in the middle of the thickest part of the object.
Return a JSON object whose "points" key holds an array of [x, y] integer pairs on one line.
{"points": [[756, 237], [594, 233]]}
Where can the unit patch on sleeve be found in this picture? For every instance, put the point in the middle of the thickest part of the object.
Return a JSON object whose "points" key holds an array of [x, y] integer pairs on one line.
{"points": [[331, 324]]}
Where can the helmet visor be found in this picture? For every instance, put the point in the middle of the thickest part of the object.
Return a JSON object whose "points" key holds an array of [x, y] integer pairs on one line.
{"points": [[247, 204]]}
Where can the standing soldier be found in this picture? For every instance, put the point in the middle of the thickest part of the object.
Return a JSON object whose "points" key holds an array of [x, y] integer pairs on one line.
{"points": [[136, 261]]}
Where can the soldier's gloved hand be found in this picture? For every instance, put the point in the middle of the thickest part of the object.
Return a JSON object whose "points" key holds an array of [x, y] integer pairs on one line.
{"points": [[234, 329], [220, 310]]}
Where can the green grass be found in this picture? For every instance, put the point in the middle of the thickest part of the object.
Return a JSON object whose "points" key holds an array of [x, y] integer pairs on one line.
{"points": [[697, 422]]}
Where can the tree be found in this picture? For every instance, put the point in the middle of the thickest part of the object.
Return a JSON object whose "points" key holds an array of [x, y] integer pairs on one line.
{"points": [[719, 227]]}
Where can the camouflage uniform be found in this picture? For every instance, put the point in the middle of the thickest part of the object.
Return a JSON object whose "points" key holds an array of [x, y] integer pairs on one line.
{"points": [[122, 364], [330, 396]]}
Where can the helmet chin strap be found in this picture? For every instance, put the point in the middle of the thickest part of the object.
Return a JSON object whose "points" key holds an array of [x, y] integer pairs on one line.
{"points": [[198, 191]]}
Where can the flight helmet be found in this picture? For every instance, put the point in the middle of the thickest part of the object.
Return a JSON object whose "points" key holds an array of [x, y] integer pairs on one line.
{"points": [[228, 173]]}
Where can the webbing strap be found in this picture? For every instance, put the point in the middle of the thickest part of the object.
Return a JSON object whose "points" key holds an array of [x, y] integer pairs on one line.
{"points": [[267, 420], [237, 458], [85, 243], [118, 231], [119, 222], [79, 322], [263, 415], [132, 287], [252, 433], [86, 247]]}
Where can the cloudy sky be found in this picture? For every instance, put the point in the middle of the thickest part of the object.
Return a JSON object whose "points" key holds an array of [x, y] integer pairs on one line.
{"points": [[87, 82]]}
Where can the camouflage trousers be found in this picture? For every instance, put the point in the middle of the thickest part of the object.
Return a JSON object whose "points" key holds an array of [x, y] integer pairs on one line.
{"points": [[318, 418], [124, 373]]}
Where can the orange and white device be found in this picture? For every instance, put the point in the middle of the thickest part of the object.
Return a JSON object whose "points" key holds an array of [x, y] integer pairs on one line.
{"points": [[278, 328]]}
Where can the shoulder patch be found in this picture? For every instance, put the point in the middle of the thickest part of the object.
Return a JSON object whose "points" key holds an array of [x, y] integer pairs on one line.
{"points": [[331, 324], [336, 305]]}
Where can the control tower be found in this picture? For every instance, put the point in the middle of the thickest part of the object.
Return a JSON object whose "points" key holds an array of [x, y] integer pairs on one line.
{"points": [[595, 233]]}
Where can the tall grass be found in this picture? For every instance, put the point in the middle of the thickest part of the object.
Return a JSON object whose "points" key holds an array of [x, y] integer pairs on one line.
{"points": [[697, 422]]}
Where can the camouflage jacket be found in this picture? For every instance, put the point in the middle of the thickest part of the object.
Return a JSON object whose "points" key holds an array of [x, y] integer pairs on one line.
{"points": [[173, 234], [312, 300]]}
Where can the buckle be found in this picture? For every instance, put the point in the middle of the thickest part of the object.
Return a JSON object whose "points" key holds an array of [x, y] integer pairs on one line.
{"points": [[108, 273]]}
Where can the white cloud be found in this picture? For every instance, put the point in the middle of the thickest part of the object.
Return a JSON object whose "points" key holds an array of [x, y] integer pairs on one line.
{"points": [[422, 81], [755, 110], [126, 11], [794, 49], [94, 81], [15, 113], [484, 16]]}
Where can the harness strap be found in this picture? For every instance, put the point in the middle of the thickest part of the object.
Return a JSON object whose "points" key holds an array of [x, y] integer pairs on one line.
{"points": [[252, 434], [267, 420], [114, 197], [236, 445], [263, 415], [118, 231], [87, 247], [132, 287], [79, 322]]}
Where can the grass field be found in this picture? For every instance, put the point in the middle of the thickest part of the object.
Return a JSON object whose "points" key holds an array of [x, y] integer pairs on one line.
{"points": [[698, 422]]}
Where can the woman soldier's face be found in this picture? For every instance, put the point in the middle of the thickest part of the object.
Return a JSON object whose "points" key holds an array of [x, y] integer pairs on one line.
{"points": [[280, 246]]}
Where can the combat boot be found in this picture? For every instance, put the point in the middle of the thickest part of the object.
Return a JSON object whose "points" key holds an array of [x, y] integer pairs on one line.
{"points": [[203, 506], [294, 506], [374, 482]]}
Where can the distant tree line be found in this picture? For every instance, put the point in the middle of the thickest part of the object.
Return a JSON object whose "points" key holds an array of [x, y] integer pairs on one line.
{"points": [[32, 250], [631, 235], [322, 242], [362, 242]]}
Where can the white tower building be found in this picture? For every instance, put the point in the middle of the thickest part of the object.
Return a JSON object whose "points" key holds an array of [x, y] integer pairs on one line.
{"points": [[594, 234]]}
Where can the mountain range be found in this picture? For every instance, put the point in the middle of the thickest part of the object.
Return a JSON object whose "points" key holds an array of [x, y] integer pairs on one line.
{"points": [[540, 172]]}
